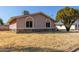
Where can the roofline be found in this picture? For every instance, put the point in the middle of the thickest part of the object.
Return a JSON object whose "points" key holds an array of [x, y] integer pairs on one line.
{"points": [[12, 18]]}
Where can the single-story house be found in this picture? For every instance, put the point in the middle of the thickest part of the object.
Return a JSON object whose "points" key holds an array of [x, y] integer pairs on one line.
{"points": [[74, 27], [77, 24], [32, 22], [62, 27], [4, 27]]}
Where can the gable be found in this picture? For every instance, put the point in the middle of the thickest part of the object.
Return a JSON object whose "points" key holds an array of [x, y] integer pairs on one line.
{"points": [[13, 19], [41, 15]]}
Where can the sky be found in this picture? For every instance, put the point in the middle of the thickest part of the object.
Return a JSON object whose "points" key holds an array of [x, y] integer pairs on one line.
{"points": [[9, 11]]}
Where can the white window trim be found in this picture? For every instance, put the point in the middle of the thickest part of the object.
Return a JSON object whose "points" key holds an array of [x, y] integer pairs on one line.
{"points": [[29, 20]]}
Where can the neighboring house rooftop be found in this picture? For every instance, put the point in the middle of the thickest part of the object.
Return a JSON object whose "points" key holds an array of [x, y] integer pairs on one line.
{"points": [[21, 16]]}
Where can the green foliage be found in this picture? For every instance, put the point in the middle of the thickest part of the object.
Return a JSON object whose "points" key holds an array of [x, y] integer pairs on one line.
{"points": [[1, 22], [67, 16]]}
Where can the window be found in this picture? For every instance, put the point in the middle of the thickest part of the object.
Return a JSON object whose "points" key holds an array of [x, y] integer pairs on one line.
{"points": [[29, 24], [47, 24], [76, 25]]}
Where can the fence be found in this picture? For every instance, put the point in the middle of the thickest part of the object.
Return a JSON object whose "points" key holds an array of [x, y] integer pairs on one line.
{"points": [[4, 27]]}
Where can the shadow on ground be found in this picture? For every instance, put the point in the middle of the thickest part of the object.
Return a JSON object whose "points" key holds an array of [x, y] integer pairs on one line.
{"points": [[29, 49], [76, 50], [58, 32]]}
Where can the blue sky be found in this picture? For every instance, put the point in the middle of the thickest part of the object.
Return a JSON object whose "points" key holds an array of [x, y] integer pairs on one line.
{"points": [[9, 11]]}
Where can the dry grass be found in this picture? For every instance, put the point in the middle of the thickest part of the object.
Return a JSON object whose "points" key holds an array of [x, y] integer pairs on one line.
{"points": [[58, 41]]}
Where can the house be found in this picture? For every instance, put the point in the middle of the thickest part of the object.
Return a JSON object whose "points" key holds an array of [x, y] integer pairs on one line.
{"points": [[62, 27], [4, 27], [74, 27], [32, 23], [77, 24]]}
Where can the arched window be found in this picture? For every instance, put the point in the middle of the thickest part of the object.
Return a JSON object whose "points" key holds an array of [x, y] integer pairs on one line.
{"points": [[29, 22]]}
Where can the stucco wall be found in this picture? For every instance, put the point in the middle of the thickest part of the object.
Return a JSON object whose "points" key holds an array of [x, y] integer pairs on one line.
{"points": [[63, 27], [39, 22], [12, 26], [77, 24]]}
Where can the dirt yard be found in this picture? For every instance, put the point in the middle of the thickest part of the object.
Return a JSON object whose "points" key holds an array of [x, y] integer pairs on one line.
{"points": [[10, 41]]}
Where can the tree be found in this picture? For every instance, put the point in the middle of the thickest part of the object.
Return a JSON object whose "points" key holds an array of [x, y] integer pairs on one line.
{"points": [[26, 12], [67, 16], [1, 21]]}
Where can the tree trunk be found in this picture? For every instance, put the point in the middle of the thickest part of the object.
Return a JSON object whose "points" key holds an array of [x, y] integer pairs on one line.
{"points": [[68, 29]]}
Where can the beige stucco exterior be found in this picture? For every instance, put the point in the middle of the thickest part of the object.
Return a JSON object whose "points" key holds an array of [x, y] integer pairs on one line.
{"points": [[13, 26], [39, 22]]}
